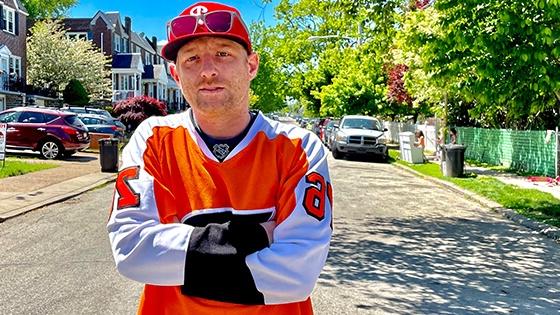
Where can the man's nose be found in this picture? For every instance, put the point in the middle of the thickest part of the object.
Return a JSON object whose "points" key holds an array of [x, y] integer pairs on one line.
{"points": [[209, 69]]}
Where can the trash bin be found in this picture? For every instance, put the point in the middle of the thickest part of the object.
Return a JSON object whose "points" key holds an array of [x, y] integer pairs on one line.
{"points": [[453, 160], [109, 154]]}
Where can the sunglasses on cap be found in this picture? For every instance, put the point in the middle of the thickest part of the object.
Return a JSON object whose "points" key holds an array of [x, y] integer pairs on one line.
{"points": [[215, 21]]}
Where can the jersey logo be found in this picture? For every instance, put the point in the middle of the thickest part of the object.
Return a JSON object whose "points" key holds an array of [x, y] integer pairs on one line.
{"points": [[315, 195], [128, 198]]}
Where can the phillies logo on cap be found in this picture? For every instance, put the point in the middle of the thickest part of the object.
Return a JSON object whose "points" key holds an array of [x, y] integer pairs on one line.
{"points": [[198, 10]]}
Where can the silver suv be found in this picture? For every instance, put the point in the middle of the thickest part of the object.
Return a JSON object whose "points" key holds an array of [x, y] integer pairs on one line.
{"points": [[360, 135]]}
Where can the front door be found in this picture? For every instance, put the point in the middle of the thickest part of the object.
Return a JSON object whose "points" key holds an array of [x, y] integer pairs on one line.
{"points": [[4, 71]]}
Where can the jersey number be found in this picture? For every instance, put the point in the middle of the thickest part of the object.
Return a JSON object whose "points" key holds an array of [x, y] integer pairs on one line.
{"points": [[127, 197], [315, 194]]}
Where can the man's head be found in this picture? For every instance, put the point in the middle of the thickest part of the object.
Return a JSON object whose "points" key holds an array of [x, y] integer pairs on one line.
{"points": [[205, 19], [214, 62]]}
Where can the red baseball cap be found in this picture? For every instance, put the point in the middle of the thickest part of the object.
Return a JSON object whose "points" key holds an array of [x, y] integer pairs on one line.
{"points": [[205, 19]]}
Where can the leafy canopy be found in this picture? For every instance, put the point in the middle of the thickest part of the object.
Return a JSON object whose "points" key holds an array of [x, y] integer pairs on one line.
{"points": [[54, 60]]}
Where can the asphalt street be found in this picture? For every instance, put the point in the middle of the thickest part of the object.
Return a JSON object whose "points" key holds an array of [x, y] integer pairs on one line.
{"points": [[401, 245]]}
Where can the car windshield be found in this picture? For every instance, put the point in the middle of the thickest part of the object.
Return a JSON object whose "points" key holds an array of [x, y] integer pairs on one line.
{"points": [[361, 123]]}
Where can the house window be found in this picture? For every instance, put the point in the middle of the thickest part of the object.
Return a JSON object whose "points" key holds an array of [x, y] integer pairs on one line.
{"points": [[9, 20], [77, 35], [124, 82], [117, 43], [15, 66], [148, 58]]}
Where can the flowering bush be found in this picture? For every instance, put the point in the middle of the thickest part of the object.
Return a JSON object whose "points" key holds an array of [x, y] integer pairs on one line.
{"points": [[134, 110]]}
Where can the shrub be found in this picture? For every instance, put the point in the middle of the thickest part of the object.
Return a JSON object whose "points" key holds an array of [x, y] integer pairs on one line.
{"points": [[133, 111], [75, 94]]}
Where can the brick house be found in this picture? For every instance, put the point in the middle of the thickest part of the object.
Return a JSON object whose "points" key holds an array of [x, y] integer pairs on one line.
{"points": [[13, 57], [137, 67]]}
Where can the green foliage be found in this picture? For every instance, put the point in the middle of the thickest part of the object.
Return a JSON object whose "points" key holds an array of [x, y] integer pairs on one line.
{"points": [[341, 72], [500, 58], [75, 94], [267, 89], [44, 9], [15, 167], [54, 60]]}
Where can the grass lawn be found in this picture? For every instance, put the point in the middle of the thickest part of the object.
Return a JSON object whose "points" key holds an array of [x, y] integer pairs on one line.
{"points": [[15, 167], [532, 203]]}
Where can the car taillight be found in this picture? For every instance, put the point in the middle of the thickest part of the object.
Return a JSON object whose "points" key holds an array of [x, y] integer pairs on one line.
{"points": [[114, 128], [69, 130]]}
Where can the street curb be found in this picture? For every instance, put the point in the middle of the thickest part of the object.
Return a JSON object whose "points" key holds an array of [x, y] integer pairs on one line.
{"points": [[542, 228], [56, 199]]}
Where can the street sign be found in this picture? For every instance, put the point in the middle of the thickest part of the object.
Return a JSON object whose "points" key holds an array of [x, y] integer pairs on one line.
{"points": [[3, 133]]}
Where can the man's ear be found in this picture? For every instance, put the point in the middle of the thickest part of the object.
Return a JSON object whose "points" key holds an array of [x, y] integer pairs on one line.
{"points": [[174, 72], [253, 61]]}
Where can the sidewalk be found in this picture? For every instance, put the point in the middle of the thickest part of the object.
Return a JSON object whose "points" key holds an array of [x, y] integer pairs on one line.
{"points": [[21, 194]]}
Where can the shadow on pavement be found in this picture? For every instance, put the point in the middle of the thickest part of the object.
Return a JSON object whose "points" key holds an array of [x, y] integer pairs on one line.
{"points": [[444, 266]]}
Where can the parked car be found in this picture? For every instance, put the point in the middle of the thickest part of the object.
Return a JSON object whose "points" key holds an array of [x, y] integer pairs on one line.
{"points": [[88, 110], [360, 135], [52, 133], [101, 124], [329, 133]]}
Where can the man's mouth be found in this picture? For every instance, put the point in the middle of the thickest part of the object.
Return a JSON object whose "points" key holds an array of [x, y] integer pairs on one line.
{"points": [[213, 89]]}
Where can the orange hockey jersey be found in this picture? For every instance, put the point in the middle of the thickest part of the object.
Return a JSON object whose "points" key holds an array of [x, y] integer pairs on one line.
{"points": [[188, 226]]}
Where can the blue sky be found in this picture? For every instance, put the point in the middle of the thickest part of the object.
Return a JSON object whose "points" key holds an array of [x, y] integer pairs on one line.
{"points": [[150, 16]]}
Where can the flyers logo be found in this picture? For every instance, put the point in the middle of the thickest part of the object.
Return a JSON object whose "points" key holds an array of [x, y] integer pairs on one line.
{"points": [[127, 197], [315, 195]]}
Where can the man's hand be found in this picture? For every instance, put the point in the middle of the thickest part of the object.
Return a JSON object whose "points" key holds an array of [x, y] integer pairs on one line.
{"points": [[269, 228]]}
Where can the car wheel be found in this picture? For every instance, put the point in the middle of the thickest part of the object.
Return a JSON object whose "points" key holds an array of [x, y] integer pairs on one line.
{"points": [[51, 149], [385, 157], [336, 154]]}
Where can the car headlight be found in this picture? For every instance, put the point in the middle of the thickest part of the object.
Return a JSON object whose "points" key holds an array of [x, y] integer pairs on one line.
{"points": [[341, 137], [381, 140]]}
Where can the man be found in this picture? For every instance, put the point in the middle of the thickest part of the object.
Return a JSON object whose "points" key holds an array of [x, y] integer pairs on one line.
{"points": [[220, 210]]}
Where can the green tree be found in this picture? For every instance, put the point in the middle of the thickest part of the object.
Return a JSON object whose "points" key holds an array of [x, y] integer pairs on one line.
{"points": [[267, 89], [44, 9], [75, 94], [342, 72], [500, 57], [54, 60]]}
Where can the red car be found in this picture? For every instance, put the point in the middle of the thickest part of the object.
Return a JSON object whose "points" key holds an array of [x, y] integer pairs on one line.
{"points": [[52, 133]]}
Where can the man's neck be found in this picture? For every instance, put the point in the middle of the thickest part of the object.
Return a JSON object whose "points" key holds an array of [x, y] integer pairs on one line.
{"points": [[222, 126]]}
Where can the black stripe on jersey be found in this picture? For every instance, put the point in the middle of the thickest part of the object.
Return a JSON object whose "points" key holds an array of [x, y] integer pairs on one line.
{"points": [[215, 264], [204, 219]]}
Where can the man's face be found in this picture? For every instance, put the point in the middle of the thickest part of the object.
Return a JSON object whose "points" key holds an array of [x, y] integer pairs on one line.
{"points": [[215, 74]]}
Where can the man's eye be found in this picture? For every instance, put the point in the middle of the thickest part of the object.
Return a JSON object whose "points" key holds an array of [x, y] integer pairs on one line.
{"points": [[191, 58], [222, 54]]}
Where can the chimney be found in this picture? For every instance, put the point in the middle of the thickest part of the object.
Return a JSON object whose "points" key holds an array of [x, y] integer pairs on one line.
{"points": [[128, 30], [154, 43]]}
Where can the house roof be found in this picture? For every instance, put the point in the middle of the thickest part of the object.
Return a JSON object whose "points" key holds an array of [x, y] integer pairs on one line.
{"points": [[20, 6], [77, 24], [142, 42], [127, 61], [115, 18], [104, 17], [154, 72]]}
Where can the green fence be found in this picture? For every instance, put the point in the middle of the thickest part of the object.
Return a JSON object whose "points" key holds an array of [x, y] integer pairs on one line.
{"points": [[529, 151]]}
